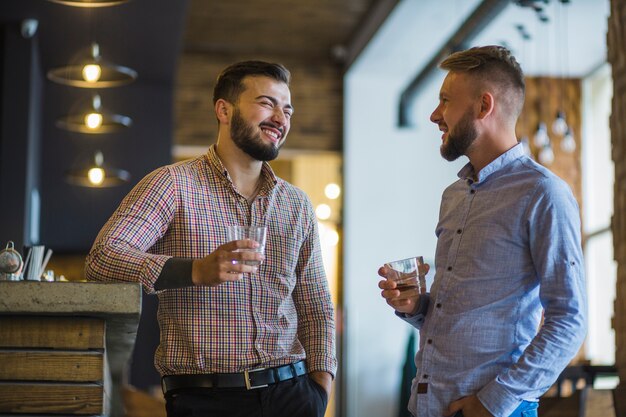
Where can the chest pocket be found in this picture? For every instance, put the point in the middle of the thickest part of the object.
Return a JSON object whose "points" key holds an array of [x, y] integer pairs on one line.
{"points": [[282, 252]]}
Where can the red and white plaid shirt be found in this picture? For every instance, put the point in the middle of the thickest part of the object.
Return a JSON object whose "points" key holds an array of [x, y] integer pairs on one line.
{"points": [[279, 315]]}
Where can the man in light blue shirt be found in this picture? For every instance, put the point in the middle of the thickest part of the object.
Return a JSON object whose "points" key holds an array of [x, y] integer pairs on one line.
{"points": [[508, 247]]}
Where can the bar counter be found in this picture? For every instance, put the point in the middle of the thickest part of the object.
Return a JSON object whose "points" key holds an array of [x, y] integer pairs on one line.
{"points": [[64, 346]]}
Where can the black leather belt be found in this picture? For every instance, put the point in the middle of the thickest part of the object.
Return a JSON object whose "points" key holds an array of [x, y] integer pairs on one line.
{"points": [[255, 378]]}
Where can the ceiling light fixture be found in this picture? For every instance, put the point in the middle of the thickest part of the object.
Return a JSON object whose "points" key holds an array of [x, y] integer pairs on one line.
{"points": [[541, 138], [93, 72], [559, 126], [94, 120], [89, 3], [568, 143], [546, 155], [98, 175]]}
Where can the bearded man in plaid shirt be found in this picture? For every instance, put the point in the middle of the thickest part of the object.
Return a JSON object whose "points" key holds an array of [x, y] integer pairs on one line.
{"points": [[237, 338]]}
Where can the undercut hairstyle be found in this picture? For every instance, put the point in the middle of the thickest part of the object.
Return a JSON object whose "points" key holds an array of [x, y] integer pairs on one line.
{"points": [[492, 66], [229, 83]]}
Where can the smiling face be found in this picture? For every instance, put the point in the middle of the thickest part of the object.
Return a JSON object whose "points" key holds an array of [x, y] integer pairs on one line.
{"points": [[261, 118], [455, 115]]}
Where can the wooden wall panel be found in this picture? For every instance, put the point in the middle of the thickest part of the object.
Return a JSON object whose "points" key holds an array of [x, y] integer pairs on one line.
{"points": [[316, 93], [617, 59], [544, 98]]}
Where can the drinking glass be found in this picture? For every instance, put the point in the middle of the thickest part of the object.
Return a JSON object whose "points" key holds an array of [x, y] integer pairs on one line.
{"points": [[256, 233], [407, 275]]}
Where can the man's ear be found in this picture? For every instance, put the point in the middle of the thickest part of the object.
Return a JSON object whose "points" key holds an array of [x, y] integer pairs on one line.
{"points": [[487, 103], [223, 110]]}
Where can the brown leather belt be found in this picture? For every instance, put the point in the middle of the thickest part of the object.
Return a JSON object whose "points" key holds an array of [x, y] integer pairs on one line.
{"points": [[255, 378]]}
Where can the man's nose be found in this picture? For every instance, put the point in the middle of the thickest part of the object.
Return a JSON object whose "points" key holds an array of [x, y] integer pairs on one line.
{"points": [[279, 117], [435, 116]]}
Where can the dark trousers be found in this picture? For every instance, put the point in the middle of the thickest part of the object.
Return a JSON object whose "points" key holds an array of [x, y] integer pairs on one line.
{"points": [[299, 396]]}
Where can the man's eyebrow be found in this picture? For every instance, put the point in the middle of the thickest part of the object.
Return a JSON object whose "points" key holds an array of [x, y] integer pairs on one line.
{"points": [[274, 101]]}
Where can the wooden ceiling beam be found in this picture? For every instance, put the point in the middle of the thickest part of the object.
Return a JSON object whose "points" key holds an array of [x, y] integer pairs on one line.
{"points": [[372, 20]]}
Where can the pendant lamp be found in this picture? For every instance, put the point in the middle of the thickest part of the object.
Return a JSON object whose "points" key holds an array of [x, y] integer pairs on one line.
{"points": [[93, 72], [97, 175], [94, 120]]}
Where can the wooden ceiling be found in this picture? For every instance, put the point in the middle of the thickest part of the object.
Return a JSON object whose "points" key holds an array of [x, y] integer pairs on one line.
{"points": [[315, 39], [301, 29]]}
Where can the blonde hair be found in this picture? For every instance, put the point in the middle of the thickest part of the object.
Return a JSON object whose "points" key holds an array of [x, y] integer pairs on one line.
{"points": [[492, 66]]}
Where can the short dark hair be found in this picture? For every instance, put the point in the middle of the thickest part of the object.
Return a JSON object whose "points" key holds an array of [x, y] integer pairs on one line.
{"points": [[229, 83], [493, 65]]}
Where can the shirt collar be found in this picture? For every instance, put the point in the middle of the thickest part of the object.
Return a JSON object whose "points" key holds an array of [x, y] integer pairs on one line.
{"points": [[267, 174], [467, 172]]}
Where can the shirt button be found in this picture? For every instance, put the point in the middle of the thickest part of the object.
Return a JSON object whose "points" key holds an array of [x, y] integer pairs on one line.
{"points": [[459, 231], [438, 305], [472, 191], [429, 341], [425, 376], [449, 268]]}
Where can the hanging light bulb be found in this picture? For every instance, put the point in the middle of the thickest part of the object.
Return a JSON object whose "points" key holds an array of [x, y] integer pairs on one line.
{"points": [[541, 137], [559, 126], [97, 175], [546, 155], [568, 143], [93, 72], [94, 119]]}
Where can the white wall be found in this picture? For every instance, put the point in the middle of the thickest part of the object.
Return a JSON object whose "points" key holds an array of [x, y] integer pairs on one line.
{"points": [[393, 180], [598, 183]]}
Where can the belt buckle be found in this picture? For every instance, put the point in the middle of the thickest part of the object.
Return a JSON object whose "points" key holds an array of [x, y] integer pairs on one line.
{"points": [[246, 375]]}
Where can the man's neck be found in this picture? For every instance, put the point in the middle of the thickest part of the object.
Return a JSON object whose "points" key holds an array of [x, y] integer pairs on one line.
{"points": [[244, 171], [486, 150]]}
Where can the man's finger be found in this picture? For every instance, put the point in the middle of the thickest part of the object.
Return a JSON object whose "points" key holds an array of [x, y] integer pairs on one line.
{"points": [[240, 244]]}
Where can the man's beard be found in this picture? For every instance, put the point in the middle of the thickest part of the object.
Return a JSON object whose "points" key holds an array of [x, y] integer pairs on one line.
{"points": [[460, 138], [247, 140]]}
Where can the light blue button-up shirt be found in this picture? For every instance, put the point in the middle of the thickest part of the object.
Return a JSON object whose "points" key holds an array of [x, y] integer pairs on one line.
{"points": [[508, 245]]}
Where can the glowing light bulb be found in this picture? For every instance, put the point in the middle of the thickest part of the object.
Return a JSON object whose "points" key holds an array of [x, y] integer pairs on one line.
{"points": [[96, 175], [323, 212], [93, 120], [559, 126], [332, 191], [541, 137], [92, 72], [546, 155], [568, 144]]}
